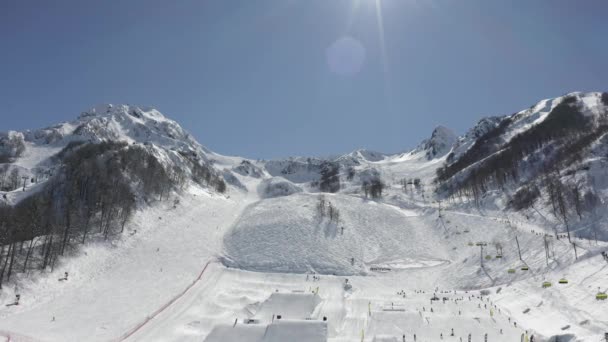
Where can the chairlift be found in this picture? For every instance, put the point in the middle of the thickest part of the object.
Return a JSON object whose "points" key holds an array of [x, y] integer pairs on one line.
{"points": [[546, 284], [563, 281], [525, 268], [601, 296], [511, 271], [471, 244], [488, 257], [498, 256]]}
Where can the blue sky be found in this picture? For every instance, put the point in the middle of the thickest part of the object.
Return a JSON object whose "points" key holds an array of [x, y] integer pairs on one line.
{"points": [[275, 78]]}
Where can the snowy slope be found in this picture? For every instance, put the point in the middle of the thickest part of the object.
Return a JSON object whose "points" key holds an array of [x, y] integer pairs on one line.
{"points": [[288, 235], [223, 267]]}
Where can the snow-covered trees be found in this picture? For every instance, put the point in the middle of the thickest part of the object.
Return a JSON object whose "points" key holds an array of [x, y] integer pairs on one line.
{"points": [[524, 197], [94, 192], [325, 209], [204, 175], [12, 145], [330, 179], [493, 161], [605, 99], [373, 187]]}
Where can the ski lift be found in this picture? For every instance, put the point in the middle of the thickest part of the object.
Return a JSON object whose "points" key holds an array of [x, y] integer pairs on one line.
{"points": [[498, 256], [601, 296], [511, 271], [525, 268], [546, 284], [563, 281]]}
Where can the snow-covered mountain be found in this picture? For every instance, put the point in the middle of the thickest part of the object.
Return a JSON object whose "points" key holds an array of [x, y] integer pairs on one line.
{"points": [[440, 143], [555, 151], [165, 240]]}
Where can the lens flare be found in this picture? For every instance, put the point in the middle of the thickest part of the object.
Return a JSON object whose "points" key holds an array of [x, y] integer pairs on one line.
{"points": [[346, 56]]}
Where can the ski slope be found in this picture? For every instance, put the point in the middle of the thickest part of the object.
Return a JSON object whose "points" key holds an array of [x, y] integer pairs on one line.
{"points": [[398, 253], [225, 267], [112, 288]]}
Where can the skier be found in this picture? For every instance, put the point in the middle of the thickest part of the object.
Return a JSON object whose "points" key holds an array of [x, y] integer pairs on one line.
{"points": [[452, 334]]}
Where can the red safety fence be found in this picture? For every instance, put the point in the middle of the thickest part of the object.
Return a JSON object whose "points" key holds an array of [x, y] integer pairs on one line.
{"points": [[163, 308]]}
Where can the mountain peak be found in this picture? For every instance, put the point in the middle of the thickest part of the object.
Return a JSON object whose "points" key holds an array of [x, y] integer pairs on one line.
{"points": [[132, 124], [136, 112], [439, 144]]}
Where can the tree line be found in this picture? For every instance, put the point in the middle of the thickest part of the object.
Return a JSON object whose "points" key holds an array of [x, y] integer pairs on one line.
{"points": [[559, 139], [92, 194], [373, 187]]}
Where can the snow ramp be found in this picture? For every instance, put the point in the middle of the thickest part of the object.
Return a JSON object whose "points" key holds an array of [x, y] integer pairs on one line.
{"points": [[288, 234]]}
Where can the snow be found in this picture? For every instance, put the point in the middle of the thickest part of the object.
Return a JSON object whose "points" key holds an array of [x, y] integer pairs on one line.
{"points": [[265, 240], [277, 187], [129, 279], [224, 267], [440, 143], [278, 331]]}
